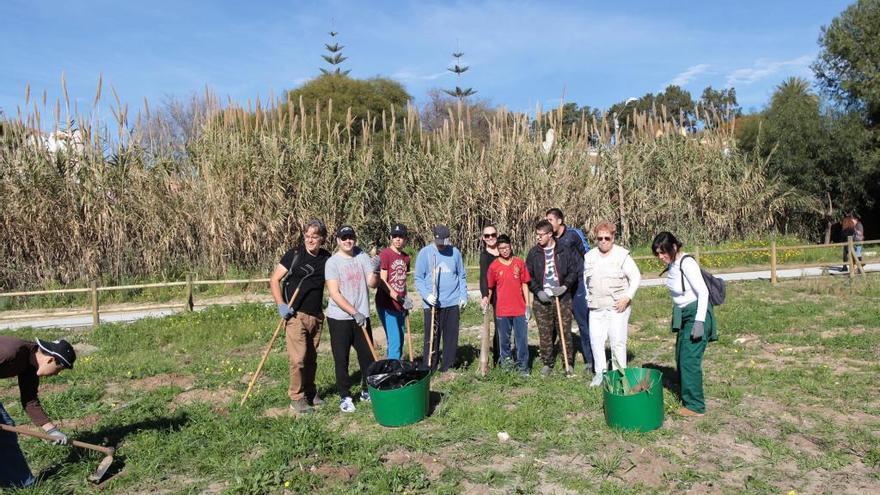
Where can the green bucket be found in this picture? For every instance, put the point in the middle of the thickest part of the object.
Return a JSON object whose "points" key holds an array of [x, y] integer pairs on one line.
{"points": [[642, 411], [401, 406]]}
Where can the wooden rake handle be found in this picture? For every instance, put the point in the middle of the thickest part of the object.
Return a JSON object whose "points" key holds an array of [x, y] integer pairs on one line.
{"points": [[369, 343], [21, 430], [562, 335]]}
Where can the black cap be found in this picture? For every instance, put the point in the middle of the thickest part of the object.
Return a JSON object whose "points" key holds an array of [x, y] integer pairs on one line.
{"points": [[399, 230], [503, 239], [61, 350], [345, 230], [441, 232]]}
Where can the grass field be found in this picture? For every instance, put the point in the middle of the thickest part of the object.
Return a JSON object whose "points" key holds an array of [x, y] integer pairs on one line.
{"points": [[792, 389]]}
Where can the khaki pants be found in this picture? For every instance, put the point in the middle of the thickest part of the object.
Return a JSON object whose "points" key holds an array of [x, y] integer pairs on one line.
{"points": [[302, 335]]}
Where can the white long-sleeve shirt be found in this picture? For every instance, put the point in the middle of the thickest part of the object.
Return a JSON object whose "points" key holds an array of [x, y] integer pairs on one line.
{"points": [[694, 287], [610, 276]]}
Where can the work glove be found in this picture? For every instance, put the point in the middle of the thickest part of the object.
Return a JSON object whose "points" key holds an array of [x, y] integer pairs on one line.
{"points": [[407, 303], [285, 312], [528, 313], [697, 332], [462, 303], [60, 438], [431, 300], [484, 304], [374, 263], [360, 319], [558, 291], [543, 296]]}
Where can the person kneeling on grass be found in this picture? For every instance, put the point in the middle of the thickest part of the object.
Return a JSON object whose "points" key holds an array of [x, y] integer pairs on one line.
{"points": [[612, 279], [28, 361], [350, 274], [508, 283], [693, 319]]}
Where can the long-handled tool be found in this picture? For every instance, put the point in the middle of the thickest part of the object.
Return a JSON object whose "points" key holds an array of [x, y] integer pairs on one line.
{"points": [[484, 344], [369, 342], [433, 316], [103, 466], [309, 269], [562, 335], [409, 338]]}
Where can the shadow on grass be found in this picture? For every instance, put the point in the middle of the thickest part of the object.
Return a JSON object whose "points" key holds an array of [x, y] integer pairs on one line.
{"points": [[670, 378], [434, 400], [112, 436]]}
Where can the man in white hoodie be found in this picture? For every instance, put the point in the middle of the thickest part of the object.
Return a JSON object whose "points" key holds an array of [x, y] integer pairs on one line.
{"points": [[612, 279]]}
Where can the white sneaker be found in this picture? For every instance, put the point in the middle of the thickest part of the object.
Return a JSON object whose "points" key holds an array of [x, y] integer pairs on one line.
{"points": [[597, 380], [346, 405], [365, 396]]}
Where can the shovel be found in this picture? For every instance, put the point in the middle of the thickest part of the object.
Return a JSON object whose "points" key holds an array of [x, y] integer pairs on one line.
{"points": [[103, 466]]}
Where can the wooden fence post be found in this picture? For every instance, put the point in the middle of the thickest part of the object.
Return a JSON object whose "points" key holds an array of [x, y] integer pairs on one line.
{"points": [[851, 255], [773, 279], [96, 317], [189, 292]]}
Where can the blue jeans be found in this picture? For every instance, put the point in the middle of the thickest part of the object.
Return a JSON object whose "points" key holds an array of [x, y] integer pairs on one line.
{"points": [[394, 324], [14, 470], [581, 314], [504, 324]]}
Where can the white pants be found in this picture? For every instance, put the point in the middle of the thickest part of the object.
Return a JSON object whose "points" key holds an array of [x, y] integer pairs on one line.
{"points": [[608, 324]]}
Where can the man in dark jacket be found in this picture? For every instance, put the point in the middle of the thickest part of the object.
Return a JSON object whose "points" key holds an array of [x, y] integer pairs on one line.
{"points": [[554, 270], [28, 361], [570, 239]]}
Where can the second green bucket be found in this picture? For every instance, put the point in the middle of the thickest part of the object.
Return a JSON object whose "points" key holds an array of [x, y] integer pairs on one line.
{"points": [[642, 411], [401, 406]]}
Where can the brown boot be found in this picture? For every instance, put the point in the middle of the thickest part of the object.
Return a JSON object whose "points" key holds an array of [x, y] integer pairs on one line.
{"points": [[301, 406], [683, 411]]}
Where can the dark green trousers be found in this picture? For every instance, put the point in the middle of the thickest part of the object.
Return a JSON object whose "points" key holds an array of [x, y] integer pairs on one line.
{"points": [[689, 354]]}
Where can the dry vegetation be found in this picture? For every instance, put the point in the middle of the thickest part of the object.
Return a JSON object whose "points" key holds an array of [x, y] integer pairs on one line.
{"points": [[205, 188]]}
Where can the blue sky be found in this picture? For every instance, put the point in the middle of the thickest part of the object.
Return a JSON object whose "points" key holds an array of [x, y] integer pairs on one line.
{"points": [[520, 53]]}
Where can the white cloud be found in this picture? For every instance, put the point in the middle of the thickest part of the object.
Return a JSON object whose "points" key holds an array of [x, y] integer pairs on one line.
{"points": [[766, 68], [688, 75], [410, 76]]}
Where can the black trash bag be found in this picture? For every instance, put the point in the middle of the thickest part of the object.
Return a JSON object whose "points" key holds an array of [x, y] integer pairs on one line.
{"points": [[390, 374]]}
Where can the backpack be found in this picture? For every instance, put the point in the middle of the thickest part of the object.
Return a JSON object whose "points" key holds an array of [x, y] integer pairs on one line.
{"points": [[583, 237], [716, 286]]}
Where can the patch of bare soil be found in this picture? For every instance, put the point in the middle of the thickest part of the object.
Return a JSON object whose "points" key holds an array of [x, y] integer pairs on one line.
{"points": [[336, 473], [279, 412], [217, 398], [646, 467], [150, 383], [216, 487], [468, 488], [403, 457], [79, 423]]}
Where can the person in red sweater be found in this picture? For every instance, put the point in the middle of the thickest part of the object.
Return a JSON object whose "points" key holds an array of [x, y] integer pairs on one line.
{"points": [[507, 280], [28, 361]]}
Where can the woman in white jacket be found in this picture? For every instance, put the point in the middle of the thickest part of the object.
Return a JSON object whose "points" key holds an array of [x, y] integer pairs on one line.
{"points": [[612, 279]]}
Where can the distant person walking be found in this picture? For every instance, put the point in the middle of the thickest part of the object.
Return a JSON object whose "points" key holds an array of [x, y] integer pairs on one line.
{"points": [[302, 267], [350, 274], [693, 319], [612, 279], [574, 240], [553, 270], [392, 302], [508, 283], [851, 225], [441, 281]]}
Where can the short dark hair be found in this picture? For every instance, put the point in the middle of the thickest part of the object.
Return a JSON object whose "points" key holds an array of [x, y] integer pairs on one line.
{"points": [[544, 226], [503, 239], [316, 224], [665, 242], [556, 212]]}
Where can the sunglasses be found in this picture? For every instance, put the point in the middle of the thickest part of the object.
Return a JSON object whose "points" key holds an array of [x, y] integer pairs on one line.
{"points": [[490, 236], [602, 238], [347, 237]]}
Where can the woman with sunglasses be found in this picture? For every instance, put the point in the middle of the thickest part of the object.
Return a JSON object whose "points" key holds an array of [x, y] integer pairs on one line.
{"points": [[693, 320], [612, 279], [488, 254]]}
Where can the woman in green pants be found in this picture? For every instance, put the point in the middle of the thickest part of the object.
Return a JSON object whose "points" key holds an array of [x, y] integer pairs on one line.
{"points": [[693, 320]]}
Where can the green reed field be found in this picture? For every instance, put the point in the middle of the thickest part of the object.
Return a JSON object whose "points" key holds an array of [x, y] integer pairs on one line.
{"points": [[793, 407]]}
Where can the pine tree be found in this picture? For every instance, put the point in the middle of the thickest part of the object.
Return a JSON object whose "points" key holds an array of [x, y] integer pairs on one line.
{"points": [[458, 69], [334, 57]]}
